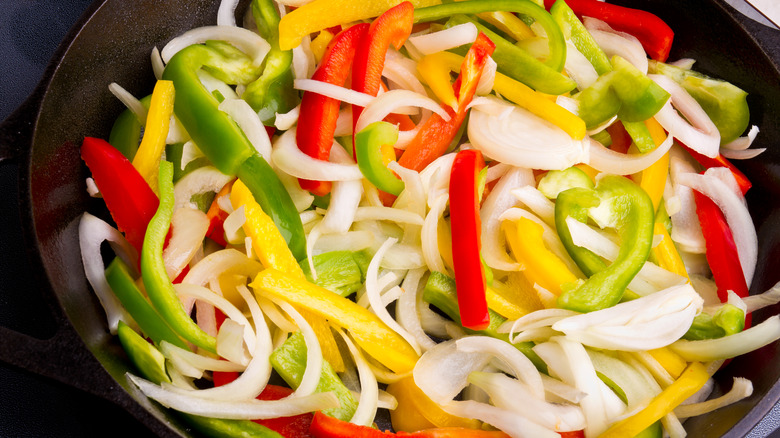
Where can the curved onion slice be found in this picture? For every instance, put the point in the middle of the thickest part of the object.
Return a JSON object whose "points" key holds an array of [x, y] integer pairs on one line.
{"points": [[221, 262], [741, 388], [686, 230], [181, 400], [231, 311], [609, 161], [246, 118], [189, 227], [92, 233], [345, 198], [313, 371], [732, 345], [406, 309], [697, 130], [741, 143], [646, 323], [390, 102], [158, 66], [287, 120], [369, 391], [443, 371], [430, 235], [290, 159], [537, 319], [737, 217], [201, 180], [579, 68], [539, 204], [508, 421], [617, 43], [522, 367], [303, 62], [226, 13], [333, 91], [243, 39], [742, 155], [499, 200], [179, 355], [130, 101], [446, 39], [522, 139], [387, 214]]}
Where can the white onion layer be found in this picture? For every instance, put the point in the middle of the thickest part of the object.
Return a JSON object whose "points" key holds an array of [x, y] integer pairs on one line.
{"points": [[290, 159], [243, 39]]}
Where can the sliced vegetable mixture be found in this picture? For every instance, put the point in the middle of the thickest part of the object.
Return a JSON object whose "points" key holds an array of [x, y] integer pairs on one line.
{"points": [[490, 218]]}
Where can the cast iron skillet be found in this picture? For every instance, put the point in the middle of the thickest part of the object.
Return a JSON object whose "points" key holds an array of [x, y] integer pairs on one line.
{"points": [[112, 42]]}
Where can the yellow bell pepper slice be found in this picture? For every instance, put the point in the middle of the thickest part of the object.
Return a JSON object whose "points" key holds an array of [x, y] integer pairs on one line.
{"points": [[519, 291], [320, 44], [273, 252], [370, 333], [672, 362], [508, 23], [502, 304], [158, 121], [416, 411], [690, 381], [322, 14], [519, 93], [654, 177], [435, 71], [666, 253], [542, 267]]}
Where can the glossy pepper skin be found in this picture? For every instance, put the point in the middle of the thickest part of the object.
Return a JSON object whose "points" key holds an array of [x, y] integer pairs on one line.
{"points": [[223, 142], [129, 199], [319, 113], [618, 203], [273, 91], [574, 30], [654, 34], [368, 143]]}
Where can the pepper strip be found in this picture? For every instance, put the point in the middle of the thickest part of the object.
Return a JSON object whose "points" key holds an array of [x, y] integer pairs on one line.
{"points": [[273, 253], [573, 28], [436, 135], [323, 14], [223, 142], [129, 199], [157, 123], [618, 203], [318, 114], [672, 362], [323, 426], [690, 381], [435, 69], [720, 161], [126, 132], [133, 300], [392, 27], [158, 286], [508, 23], [654, 34], [654, 177], [466, 243], [542, 267], [368, 143], [378, 340], [417, 411]]}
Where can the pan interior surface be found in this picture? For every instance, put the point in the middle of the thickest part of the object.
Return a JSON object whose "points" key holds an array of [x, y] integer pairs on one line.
{"points": [[114, 45]]}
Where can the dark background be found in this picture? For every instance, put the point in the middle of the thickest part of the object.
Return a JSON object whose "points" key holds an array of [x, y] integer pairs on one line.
{"points": [[30, 406]]}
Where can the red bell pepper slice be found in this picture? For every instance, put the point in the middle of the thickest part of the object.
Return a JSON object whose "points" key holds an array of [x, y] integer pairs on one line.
{"points": [[392, 27], [129, 199], [721, 251], [655, 35], [318, 114], [466, 242], [437, 134], [217, 216], [720, 161], [323, 426], [289, 427]]}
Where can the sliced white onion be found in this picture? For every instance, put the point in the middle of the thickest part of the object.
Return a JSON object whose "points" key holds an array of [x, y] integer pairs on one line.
{"points": [[314, 359], [344, 122], [742, 388], [392, 102], [92, 189], [561, 392], [686, 230], [189, 151], [213, 84], [697, 130], [274, 315], [130, 101], [350, 241], [507, 421], [181, 400], [521, 138], [243, 39], [646, 323], [617, 43], [737, 217], [643, 359], [579, 67], [446, 39], [369, 391], [741, 143], [496, 203], [539, 204], [442, 372], [487, 78], [345, 198], [290, 159], [158, 66], [406, 309], [178, 354], [517, 362], [404, 257], [768, 298], [189, 227], [92, 233], [536, 319], [387, 214], [303, 62], [340, 93], [201, 180], [430, 235], [742, 155], [287, 120], [226, 15], [732, 345], [230, 340], [609, 161], [301, 198], [246, 118]]}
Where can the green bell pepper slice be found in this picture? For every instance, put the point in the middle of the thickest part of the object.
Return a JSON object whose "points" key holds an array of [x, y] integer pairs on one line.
{"points": [[440, 292], [624, 92], [273, 91], [221, 140], [368, 143], [574, 30], [640, 135], [725, 103], [133, 300], [158, 286], [125, 134], [289, 361], [557, 181], [341, 272], [545, 76], [729, 319], [618, 203]]}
